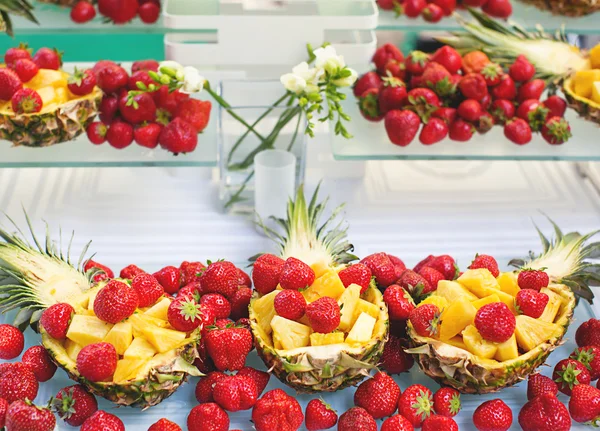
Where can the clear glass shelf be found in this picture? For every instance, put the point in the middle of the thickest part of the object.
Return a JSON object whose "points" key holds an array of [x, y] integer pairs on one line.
{"points": [[371, 142], [526, 15]]}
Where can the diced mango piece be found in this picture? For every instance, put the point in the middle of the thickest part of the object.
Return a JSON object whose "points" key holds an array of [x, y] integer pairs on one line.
{"points": [[532, 332], [456, 317], [140, 348], [457, 342], [329, 284], [163, 339], [451, 290], [317, 339], [553, 306], [486, 300], [583, 82], [507, 350], [290, 334], [120, 336], [159, 310], [477, 345], [508, 283], [439, 301], [126, 369], [265, 310], [362, 331], [72, 349], [347, 303], [86, 330]]}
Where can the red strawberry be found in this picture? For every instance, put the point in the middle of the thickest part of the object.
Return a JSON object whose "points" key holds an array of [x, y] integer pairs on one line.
{"points": [[394, 360], [584, 405], [38, 360], [531, 90], [498, 8], [82, 12], [138, 109], [397, 423], [220, 277], [144, 65], [47, 58], [588, 333], [356, 274], [119, 11], [416, 403], [381, 267], [218, 303], [11, 342], [447, 6], [74, 404], [206, 385], [196, 112], [24, 416], [368, 104], [26, 101], [461, 130], [502, 110], [399, 302], [82, 82], [387, 4], [531, 303], [449, 58], [533, 112], [240, 302], [18, 383], [112, 78], [485, 123], [191, 271], [522, 70], [590, 357], [439, 423], [437, 77], [164, 425], [545, 412], [147, 135], [120, 135], [276, 410], [495, 322], [416, 61], [26, 69], [3, 408], [518, 131], [424, 102], [415, 284], [484, 261], [184, 314], [108, 109], [473, 86], [97, 362], [18, 366], [366, 82], [425, 262], [149, 12], [433, 13], [323, 315], [378, 395], [402, 126], [569, 373], [208, 417], [492, 73], [384, 54], [104, 421], [319, 415], [395, 68], [130, 272], [556, 106], [474, 62], [399, 266], [296, 275], [56, 319], [104, 271], [261, 379], [290, 304], [141, 76], [18, 53], [539, 384], [533, 279], [493, 415], [434, 131], [115, 302], [266, 273], [486, 102], [357, 419], [425, 320], [235, 393], [229, 347], [556, 131], [192, 291], [411, 8], [169, 278], [147, 288], [178, 136], [392, 95], [470, 110], [506, 89], [446, 402]]}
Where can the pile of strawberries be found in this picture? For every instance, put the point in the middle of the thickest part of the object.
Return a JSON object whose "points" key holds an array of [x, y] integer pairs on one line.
{"points": [[171, 119], [117, 11], [434, 10], [445, 94]]}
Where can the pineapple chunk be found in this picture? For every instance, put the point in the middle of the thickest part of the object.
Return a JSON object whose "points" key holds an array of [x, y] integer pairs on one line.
{"points": [[507, 350], [439, 301], [479, 281], [72, 349], [595, 57], [362, 331], [120, 336], [290, 334], [159, 310], [477, 345], [485, 301], [508, 283], [126, 369], [329, 284], [80, 301], [277, 342], [48, 77], [47, 94], [86, 330], [319, 268], [451, 290], [596, 92], [92, 299], [456, 317], [265, 311], [532, 332], [163, 339], [583, 82], [347, 303], [61, 96], [363, 306], [317, 339], [141, 321], [139, 349], [553, 306], [457, 342]]}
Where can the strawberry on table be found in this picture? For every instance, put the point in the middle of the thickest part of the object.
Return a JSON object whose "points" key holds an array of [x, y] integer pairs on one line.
{"points": [[276, 410], [38, 360], [104, 421], [590, 357], [397, 423], [402, 126], [446, 402], [556, 131], [16, 53], [319, 415], [206, 386], [169, 278], [357, 419], [545, 412], [112, 78], [584, 405], [449, 58], [473, 86], [506, 89], [229, 347], [498, 8], [130, 271], [484, 261], [531, 90], [569, 373], [3, 409], [82, 12], [539, 384], [495, 322], [148, 289], [368, 104], [146, 135], [415, 284], [416, 404], [25, 416], [366, 82], [394, 360], [82, 82], [11, 341], [447, 6], [235, 393], [521, 70], [296, 275], [97, 362], [533, 279], [47, 58], [416, 61], [392, 95], [74, 404], [432, 276], [439, 423], [470, 110], [384, 54], [493, 415], [261, 378], [461, 130], [18, 383], [208, 417], [164, 425], [502, 110], [290, 304], [196, 112], [119, 135], [90, 264], [518, 131], [531, 303], [400, 303], [178, 136], [556, 105], [191, 272], [492, 73], [433, 13], [433, 132], [378, 395], [588, 333]]}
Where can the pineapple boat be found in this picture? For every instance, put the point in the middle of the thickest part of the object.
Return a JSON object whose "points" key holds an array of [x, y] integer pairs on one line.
{"points": [[458, 355], [556, 61], [154, 359], [307, 359], [566, 7]]}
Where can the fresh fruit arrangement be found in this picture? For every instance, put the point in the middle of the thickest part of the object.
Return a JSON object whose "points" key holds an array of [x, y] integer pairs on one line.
{"points": [[310, 313], [40, 104], [566, 8], [434, 10], [118, 12], [446, 94]]}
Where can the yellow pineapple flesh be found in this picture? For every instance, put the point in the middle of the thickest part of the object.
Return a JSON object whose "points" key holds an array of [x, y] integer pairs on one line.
{"points": [[290, 334], [595, 57], [457, 342], [48, 77], [553, 306], [120, 336], [72, 349], [477, 345], [159, 310], [362, 331], [265, 310], [456, 317], [329, 284], [163, 339], [140, 348], [485, 301], [451, 290], [439, 301], [482, 283], [85, 330], [317, 339], [365, 307], [583, 82], [507, 350], [126, 369], [320, 268], [532, 332], [508, 283], [347, 303]]}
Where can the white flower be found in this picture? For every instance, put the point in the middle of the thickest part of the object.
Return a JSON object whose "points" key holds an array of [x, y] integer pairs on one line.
{"points": [[293, 82], [348, 81], [193, 82], [328, 59], [308, 74], [170, 65]]}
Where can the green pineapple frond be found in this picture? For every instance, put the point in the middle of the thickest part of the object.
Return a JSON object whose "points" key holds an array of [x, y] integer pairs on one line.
{"points": [[304, 239], [565, 259], [15, 7], [34, 277]]}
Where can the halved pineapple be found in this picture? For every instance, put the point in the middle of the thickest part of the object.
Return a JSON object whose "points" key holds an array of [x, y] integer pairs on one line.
{"points": [[482, 283], [126, 369], [72, 349], [507, 350], [140, 348], [553, 306], [265, 307], [159, 310], [485, 301]]}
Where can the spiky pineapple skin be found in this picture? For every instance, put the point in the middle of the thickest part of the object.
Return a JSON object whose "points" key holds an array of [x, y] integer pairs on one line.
{"points": [[584, 107], [573, 8], [61, 125]]}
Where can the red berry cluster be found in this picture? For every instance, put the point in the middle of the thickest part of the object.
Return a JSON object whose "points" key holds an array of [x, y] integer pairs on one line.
{"points": [[171, 119], [455, 96], [434, 10], [117, 11]]}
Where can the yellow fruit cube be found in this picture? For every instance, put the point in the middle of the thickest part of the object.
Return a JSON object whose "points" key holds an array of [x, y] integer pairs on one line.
{"points": [[126, 369], [72, 349], [159, 310], [329, 284], [362, 331], [290, 334], [457, 342], [140, 322], [277, 342], [596, 92], [583, 82], [347, 303], [508, 283], [439, 301], [85, 330], [48, 77], [595, 57], [477, 345], [120, 336], [532, 332], [92, 299], [317, 339], [140, 348], [363, 306], [47, 94], [451, 290], [163, 339], [484, 301], [456, 317], [62, 96], [480, 281], [265, 311], [507, 350], [319, 268], [553, 306]]}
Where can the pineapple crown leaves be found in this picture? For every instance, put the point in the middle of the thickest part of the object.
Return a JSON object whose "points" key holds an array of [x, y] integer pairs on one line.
{"points": [[15, 7], [568, 376]]}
